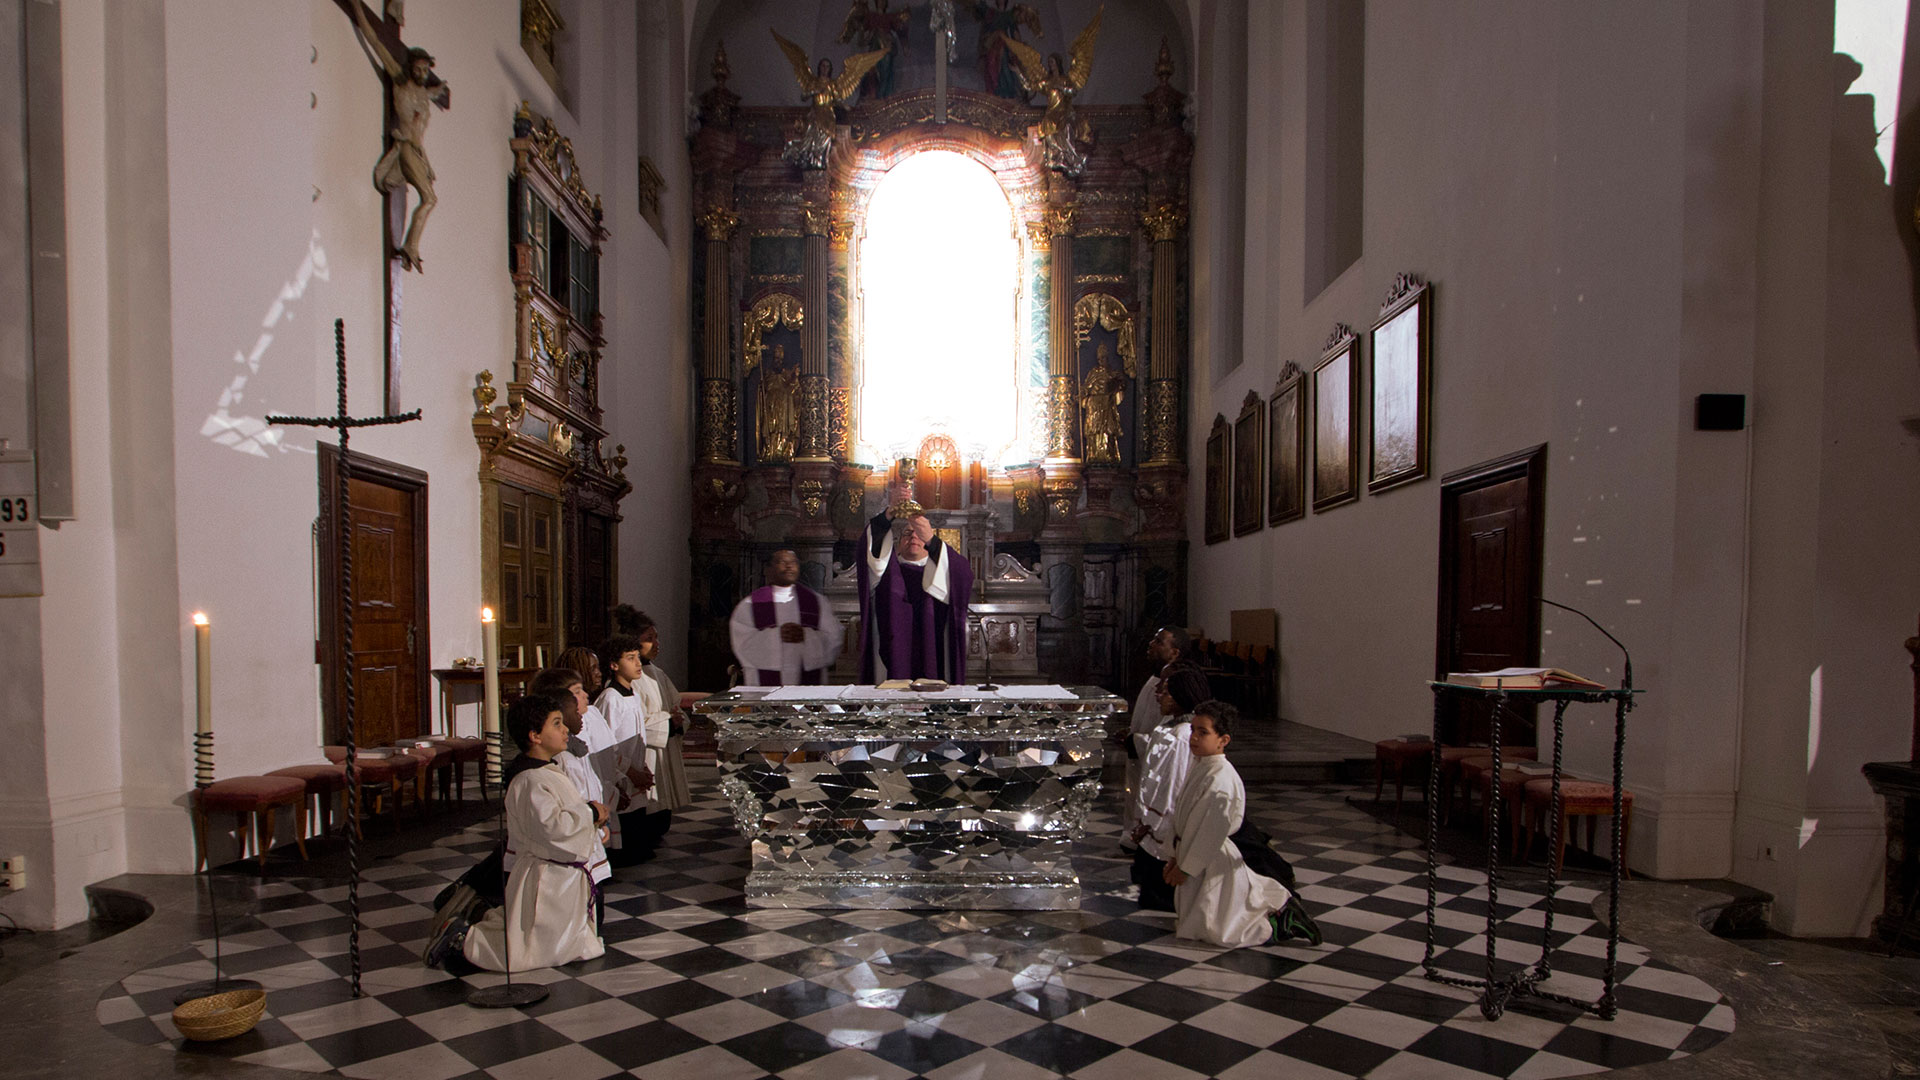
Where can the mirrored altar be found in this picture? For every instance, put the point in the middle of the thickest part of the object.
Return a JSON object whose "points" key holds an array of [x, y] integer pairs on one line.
{"points": [[853, 797]]}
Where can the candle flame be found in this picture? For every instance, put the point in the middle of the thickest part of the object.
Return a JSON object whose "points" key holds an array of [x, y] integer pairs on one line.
{"points": [[486, 614], [199, 618]]}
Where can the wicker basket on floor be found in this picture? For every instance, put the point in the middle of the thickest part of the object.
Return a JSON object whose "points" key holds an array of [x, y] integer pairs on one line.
{"points": [[220, 1016]]}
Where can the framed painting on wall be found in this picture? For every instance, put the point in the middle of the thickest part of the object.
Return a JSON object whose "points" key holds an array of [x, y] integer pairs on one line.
{"points": [[1249, 453], [1336, 459], [1219, 482], [1287, 453], [1402, 386]]}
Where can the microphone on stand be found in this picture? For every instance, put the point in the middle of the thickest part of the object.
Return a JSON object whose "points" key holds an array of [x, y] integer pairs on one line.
{"points": [[1627, 681]]}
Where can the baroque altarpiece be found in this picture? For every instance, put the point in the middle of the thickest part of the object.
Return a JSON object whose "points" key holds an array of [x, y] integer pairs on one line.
{"points": [[550, 490], [1077, 553]]}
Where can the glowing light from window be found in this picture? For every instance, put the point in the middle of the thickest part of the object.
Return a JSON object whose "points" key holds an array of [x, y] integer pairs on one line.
{"points": [[939, 273], [1874, 33]]}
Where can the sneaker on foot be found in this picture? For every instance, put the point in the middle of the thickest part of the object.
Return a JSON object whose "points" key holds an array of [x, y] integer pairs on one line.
{"points": [[446, 942], [1292, 921]]}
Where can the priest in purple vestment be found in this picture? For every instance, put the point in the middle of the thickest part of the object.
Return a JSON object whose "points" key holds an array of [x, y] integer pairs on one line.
{"points": [[785, 634], [913, 600]]}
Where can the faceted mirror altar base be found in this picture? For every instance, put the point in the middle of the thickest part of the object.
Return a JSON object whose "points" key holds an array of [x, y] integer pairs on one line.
{"points": [[854, 797]]}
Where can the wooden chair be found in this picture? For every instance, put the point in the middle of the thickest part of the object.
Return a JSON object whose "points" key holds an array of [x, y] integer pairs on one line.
{"points": [[255, 798]]}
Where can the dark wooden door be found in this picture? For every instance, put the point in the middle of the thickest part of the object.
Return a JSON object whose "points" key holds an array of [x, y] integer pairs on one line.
{"points": [[387, 653], [1490, 565], [529, 601]]}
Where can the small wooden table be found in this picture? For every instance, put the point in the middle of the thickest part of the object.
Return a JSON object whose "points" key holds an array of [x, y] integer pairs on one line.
{"points": [[468, 686]]}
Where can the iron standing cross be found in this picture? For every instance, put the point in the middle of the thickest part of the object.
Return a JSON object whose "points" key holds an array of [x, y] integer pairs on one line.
{"points": [[343, 541]]}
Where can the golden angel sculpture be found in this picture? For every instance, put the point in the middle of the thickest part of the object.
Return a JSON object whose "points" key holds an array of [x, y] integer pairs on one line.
{"points": [[1062, 131], [825, 90]]}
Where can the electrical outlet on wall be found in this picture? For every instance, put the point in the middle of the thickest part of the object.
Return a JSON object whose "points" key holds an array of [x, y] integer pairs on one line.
{"points": [[13, 872]]}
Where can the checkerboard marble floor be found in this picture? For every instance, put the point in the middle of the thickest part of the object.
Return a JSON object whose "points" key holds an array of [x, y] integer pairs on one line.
{"points": [[697, 984]]}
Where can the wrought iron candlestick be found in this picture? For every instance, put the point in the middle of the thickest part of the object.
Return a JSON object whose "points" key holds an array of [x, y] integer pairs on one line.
{"points": [[343, 542]]}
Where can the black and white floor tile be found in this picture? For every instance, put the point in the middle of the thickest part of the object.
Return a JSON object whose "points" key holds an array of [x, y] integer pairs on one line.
{"points": [[697, 984]]}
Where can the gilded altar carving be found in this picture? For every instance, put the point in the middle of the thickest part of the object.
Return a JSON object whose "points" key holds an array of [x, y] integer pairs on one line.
{"points": [[839, 422], [1163, 423], [775, 413], [718, 223], [1062, 417], [1063, 493], [556, 151], [1108, 313], [716, 420], [1165, 222], [484, 395], [819, 221], [813, 440], [773, 309], [813, 496], [1101, 392], [1063, 133], [824, 90]]}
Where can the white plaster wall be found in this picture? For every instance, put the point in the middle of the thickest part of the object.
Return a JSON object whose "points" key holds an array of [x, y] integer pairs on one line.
{"points": [[221, 215], [1621, 207]]}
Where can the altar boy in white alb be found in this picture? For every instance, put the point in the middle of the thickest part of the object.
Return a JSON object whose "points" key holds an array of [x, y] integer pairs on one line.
{"points": [[1216, 898], [785, 634]]}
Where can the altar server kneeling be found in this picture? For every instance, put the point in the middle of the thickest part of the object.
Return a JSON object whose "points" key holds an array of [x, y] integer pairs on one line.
{"points": [[1216, 898], [554, 834]]}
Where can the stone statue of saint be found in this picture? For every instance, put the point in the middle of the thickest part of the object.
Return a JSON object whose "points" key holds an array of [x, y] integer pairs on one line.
{"points": [[1100, 398], [415, 87], [776, 426]]}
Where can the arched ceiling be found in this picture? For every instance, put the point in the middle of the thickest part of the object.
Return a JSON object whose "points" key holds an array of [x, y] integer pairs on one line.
{"points": [[1130, 36]]}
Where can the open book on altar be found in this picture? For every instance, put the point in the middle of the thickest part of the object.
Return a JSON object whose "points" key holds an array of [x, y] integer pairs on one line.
{"points": [[1524, 678]]}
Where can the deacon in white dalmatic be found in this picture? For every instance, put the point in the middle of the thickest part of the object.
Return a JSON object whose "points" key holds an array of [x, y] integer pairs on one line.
{"points": [[553, 832], [1216, 898], [785, 634]]}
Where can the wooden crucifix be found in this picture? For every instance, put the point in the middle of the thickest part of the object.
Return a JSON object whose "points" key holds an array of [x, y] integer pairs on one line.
{"points": [[411, 88], [342, 422]]}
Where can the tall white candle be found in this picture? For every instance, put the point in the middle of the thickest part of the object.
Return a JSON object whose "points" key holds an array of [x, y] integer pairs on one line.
{"points": [[203, 671], [490, 709]]}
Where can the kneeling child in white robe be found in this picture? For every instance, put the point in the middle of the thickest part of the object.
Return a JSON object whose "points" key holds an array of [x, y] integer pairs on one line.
{"points": [[553, 832], [1216, 898]]}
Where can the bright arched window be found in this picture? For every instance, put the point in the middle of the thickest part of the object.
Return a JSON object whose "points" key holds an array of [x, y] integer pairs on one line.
{"points": [[940, 278]]}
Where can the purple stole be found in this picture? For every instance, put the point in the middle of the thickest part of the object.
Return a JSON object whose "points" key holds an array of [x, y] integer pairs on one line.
{"points": [[764, 619]]}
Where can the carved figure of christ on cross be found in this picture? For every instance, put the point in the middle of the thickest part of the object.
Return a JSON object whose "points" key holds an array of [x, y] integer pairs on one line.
{"points": [[411, 90]]}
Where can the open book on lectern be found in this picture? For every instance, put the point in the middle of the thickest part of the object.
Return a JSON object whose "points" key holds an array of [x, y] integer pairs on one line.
{"points": [[1524, 678]]}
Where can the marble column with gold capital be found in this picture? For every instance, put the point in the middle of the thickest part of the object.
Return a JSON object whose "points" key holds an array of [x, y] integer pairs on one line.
{"points": [[812, 441], [1164, 224], [1055, 230], [718, 413]]}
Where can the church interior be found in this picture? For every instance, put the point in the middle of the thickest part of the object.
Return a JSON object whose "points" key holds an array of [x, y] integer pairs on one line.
{"points": [[1363, 342]]}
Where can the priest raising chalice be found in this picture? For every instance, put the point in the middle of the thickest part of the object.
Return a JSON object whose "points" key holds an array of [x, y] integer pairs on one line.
{"points": [[913, 594]]}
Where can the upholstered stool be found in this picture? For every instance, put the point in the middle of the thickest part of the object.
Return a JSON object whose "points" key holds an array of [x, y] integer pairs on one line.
{"points": [[1452, 756], [1511, 793], [322, 781], [1397, 755], [385, 774], [255, 797], [436, 759], [1591, 799], [467, 748]]}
